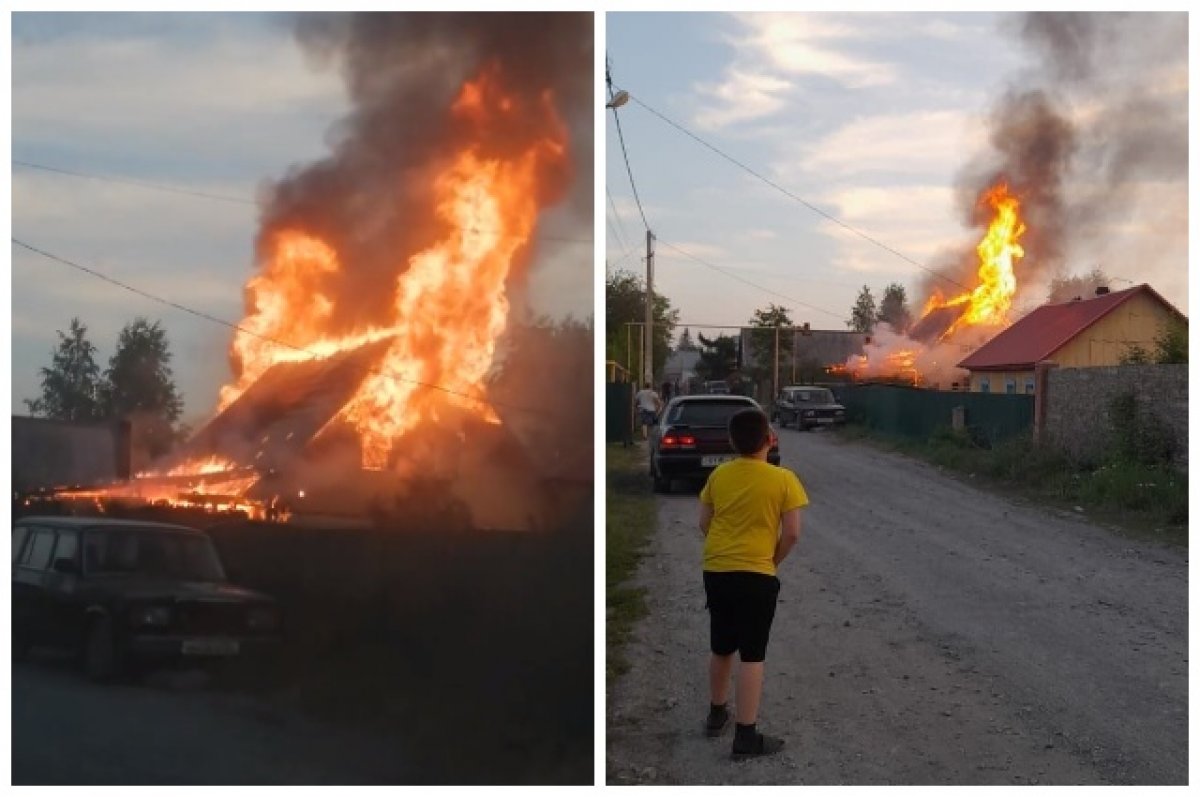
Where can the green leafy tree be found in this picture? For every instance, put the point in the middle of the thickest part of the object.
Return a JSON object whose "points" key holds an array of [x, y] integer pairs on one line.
{"points": [[625, 303], [864, 313], [1135, 354], [1172, 345], [139, 385], [718, 357], [893, 308], [763, 337], [71, 383]]}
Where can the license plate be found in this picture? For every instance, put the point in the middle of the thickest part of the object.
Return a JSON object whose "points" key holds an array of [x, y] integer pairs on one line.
{"points": [[210, 647], [824, 420], [713, 460]]}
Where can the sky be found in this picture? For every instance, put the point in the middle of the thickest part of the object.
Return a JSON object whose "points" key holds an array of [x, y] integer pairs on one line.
{"points": [[872, 119], [214, 104]]}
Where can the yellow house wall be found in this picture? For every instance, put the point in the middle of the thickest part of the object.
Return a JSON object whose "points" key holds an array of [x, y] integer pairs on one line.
{"points": [[998, 380], [1139, 320]]}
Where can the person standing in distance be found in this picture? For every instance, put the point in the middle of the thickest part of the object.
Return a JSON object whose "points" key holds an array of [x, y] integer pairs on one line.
{"points": [[648, 406]]}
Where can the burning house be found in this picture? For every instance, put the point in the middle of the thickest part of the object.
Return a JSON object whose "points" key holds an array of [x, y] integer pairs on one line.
{"points": [[388, 273]]}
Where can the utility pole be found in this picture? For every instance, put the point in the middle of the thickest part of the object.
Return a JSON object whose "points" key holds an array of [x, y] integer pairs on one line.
{"points": [[648, 373], [776, 382]]}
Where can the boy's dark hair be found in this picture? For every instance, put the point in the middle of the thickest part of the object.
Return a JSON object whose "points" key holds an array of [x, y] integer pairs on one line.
{"points": [[749, 430]]}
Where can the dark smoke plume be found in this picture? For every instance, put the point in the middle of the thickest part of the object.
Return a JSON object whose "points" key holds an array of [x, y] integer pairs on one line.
{"points": [[1100, 116], [370, 199]]}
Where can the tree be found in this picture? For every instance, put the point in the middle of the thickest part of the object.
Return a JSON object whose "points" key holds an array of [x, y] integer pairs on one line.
{"points": [[140, 385], [718, 357], [763, 339], [71, 384], [685, 341], [1135, 354], [1172, 345], [863, 315], [625, 302], [893, 308]]}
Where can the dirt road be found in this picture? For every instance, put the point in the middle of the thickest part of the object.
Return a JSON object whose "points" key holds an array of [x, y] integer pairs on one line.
{"points": [[928, 632], [68, 731]]}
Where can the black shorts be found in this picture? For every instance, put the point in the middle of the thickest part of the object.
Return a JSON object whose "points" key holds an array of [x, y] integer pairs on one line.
{"points": [[741, 607]]}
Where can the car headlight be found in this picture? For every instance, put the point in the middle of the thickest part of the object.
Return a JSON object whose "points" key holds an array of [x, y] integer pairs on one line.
{"points": [[263, 618], [153, 615], [809, 413]]}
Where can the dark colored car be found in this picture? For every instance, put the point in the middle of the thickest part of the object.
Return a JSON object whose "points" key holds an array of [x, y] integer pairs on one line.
{"points": [[692, 438], [123, 593], [807, 407]]}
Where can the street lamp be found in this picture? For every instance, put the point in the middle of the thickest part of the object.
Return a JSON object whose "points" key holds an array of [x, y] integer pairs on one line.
{"points": [[618, 99]]}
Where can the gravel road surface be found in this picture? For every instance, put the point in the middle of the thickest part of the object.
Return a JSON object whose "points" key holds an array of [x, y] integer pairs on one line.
{"points": [[928, 632]]}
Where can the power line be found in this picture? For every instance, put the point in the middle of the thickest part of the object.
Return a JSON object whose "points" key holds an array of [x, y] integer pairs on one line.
{"points": [[792, 195], [267, 338], [224, 197], [624, 152], [728, 273], [621, 236], [138, 183]]}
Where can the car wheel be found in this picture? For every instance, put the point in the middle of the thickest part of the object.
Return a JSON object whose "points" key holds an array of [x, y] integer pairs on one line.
{"points": [[100, 658]]}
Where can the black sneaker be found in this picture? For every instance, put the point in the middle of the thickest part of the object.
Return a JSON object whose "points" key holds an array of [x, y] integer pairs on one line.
{"points": [[717, 722], [758, 745]]}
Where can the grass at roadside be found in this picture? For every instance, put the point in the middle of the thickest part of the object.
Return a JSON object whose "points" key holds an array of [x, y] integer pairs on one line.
{"points": [[1140, 500], [631, 521]]}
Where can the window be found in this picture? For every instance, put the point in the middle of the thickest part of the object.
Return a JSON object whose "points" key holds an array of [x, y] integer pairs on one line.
{"points": [[1029, 385], [68, 544], [1010, 385], [38, 554], [18, 539], [985, 384]]}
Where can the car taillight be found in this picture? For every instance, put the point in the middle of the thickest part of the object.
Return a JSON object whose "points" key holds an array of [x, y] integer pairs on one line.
{"points": [[774, 439], [672, 440]]}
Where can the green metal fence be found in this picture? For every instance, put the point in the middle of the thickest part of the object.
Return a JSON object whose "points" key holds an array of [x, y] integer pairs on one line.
{"points": [[618, 412], [915, 413]]}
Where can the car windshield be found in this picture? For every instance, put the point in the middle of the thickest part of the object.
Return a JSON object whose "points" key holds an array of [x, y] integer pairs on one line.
{"points": [[145, 552], [706, 413], [815, 396]]}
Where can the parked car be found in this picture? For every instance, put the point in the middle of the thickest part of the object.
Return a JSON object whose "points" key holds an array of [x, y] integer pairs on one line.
{"points": [[717, 387], [692, 438], [123, 593], [806, 407]]}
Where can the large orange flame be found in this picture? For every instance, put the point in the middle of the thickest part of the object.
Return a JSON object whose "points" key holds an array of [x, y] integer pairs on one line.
{"points": [[989, 303], [450, 302]]}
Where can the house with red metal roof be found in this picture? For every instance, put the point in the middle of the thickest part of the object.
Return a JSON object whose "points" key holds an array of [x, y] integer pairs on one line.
{"points": [[1080, 333]]}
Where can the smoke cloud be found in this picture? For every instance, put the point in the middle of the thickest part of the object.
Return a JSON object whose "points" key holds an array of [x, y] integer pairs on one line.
{"points": [[1093, 138]]}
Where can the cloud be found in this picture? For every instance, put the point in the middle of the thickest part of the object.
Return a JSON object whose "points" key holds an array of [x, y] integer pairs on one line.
{"points": [[237, 97], [813, 44], [914, 143], [918, 221], [740, 97]]}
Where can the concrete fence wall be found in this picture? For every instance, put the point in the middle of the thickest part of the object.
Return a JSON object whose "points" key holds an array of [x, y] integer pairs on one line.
{"points": [[1076, 414]]}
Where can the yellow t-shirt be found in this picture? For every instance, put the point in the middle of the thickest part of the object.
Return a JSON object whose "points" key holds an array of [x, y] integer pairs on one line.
{"points": [[748, 496]]}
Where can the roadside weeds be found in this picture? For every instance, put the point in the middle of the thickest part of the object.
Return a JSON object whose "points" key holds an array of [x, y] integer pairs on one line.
{"points": [[1136, 500], [630, 523]]}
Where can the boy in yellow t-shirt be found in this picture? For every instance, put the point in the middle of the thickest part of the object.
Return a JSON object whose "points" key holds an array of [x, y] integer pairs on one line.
{"points": [[750, 516]]}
